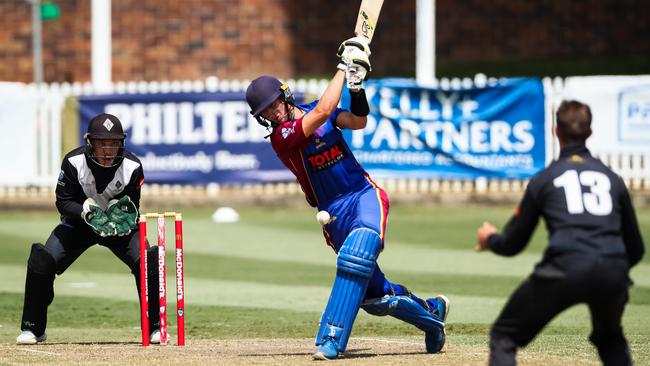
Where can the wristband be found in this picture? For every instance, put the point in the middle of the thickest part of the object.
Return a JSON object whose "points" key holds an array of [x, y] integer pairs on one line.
{"points": [[358, 103]]}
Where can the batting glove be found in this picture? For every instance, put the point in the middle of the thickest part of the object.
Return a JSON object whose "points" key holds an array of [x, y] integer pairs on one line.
{"points": [[353, 51], [354, 55], [355, 74], [354, 42]]}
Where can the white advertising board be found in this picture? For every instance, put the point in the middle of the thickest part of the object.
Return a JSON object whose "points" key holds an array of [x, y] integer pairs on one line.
{"points": [[620, 106], [18, 130]]}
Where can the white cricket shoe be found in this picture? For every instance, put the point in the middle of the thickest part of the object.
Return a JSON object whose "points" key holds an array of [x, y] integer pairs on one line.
{"points": [[155, 337], [27, 337]]}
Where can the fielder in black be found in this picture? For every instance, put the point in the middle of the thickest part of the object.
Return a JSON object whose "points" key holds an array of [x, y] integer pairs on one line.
{"points": [[594, 240], [98, 196]]}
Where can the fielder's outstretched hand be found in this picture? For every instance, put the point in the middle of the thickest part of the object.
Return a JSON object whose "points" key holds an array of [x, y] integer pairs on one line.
{"points": [[483, 234]]}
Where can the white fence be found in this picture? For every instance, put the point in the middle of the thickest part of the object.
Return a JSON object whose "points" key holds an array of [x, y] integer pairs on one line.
{"points": [[30, 134], [31, 126]]}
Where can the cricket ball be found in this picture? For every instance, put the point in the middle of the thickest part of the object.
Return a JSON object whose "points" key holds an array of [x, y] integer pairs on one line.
{"points": [[323, 217]]}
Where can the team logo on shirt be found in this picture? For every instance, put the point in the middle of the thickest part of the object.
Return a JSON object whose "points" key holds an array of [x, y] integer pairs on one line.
{"points": [[60, 180], [286, 131], [575, 158], [327, 158], [118, 184], [319, 143]]}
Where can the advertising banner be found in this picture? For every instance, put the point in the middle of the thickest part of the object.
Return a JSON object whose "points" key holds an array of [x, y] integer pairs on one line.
{"points": [[412, 131], [191, 138], [620, 108], [419, 132]]}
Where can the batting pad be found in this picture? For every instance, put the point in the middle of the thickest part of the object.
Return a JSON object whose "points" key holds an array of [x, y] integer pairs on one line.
{"points": [[355, 264], [405, 309]]}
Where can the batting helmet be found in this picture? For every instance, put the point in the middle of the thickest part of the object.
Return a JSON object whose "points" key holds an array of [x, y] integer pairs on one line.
{"points": [[262, 92]]}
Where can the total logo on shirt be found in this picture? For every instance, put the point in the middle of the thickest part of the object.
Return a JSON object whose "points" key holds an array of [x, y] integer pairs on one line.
{"points": [[327, 158]]}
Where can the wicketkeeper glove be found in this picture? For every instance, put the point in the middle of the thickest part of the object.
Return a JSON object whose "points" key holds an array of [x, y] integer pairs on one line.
{"points": [[123, 214], [96, 218]]}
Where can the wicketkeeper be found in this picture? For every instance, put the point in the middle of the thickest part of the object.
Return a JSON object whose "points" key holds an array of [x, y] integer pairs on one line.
{"points": [[98, 196], [308, 140]]}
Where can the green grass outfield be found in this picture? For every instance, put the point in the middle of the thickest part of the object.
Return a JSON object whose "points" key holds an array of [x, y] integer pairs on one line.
{"points": [[269, 276]]}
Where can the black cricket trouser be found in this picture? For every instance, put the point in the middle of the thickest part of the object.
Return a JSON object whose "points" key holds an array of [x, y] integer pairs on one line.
{"points": [[566, 280], [65, 244]]}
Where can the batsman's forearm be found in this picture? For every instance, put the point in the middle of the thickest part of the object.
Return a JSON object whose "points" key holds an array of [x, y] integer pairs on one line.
{"points": [[332, 94], [325, 106]]}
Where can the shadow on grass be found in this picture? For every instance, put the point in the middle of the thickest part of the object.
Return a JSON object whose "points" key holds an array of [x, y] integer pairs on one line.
{"points": [[355, 353], [72, 343]]}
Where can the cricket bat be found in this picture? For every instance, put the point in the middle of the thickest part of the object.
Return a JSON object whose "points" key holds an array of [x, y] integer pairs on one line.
{"points": [[367, 18]]}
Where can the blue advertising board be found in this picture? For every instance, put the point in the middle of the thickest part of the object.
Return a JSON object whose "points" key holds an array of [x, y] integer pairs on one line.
{"points": [[414, 131]]}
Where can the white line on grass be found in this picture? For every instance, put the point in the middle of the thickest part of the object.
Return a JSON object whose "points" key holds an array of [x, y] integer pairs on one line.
{"points": [[37, 351], [82, 284], [386, 340]]}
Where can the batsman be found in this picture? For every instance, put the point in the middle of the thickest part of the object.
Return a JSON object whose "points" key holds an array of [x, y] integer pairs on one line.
{"points": [[308, 140], [98, 197]]}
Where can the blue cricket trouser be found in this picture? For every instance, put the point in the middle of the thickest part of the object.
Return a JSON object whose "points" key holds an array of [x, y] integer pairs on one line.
{"points": [[367, 208]]}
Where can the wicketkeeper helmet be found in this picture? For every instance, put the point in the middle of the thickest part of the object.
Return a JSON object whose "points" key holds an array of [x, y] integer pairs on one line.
{"points": [[105, 127]]}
